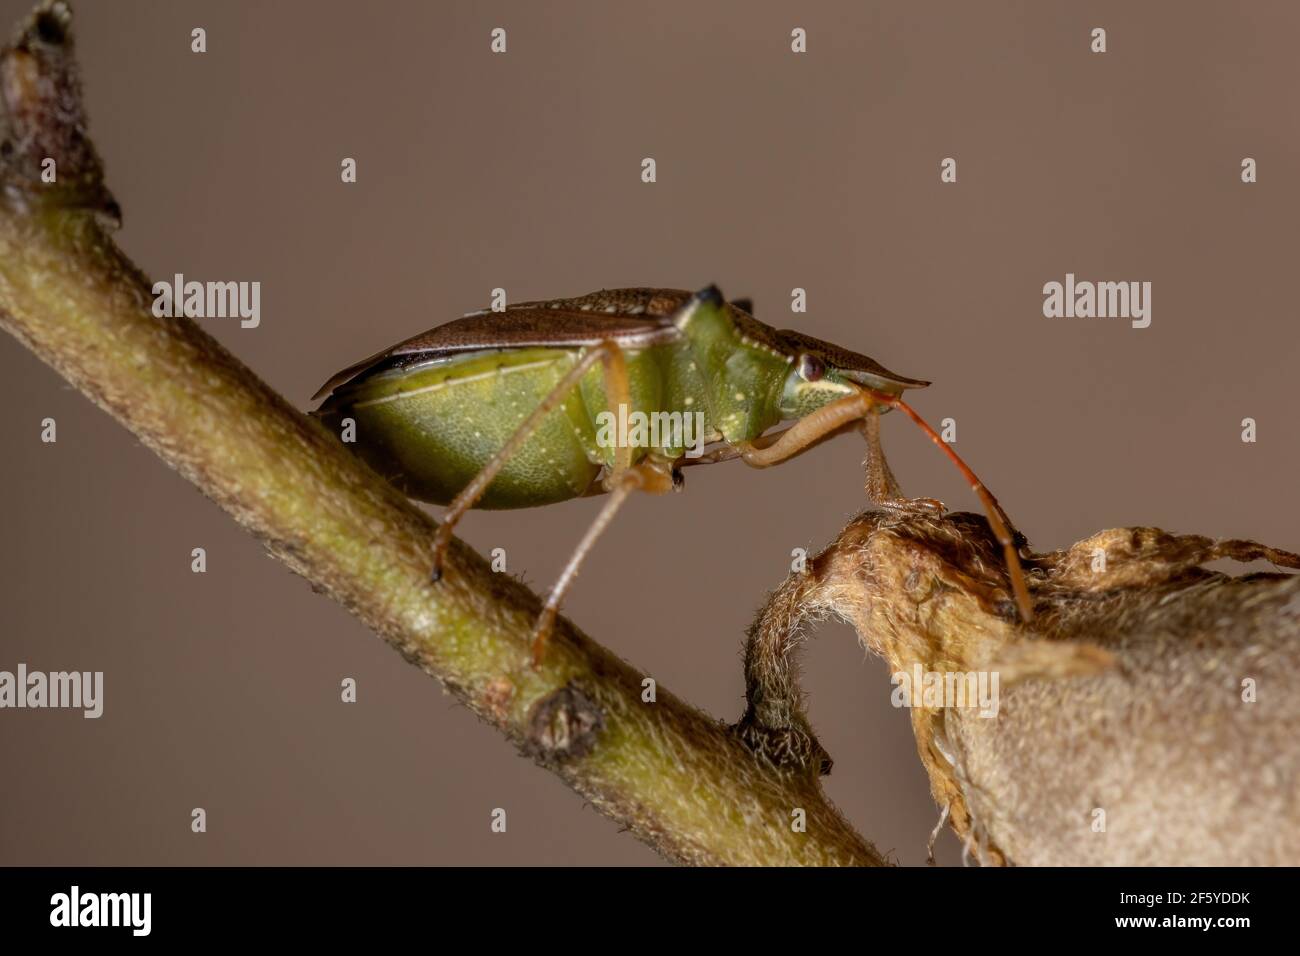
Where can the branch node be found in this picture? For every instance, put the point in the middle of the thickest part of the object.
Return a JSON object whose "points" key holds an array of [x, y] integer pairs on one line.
{"points": [[564, 724], [46, 157]]}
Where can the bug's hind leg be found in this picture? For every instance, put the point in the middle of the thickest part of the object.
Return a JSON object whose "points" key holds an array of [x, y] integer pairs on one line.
{"points": [[606, 352], [654, 475], [882, 487]]}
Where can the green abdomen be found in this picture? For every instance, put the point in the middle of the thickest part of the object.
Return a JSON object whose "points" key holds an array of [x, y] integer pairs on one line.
{"points": [[431, 427]]}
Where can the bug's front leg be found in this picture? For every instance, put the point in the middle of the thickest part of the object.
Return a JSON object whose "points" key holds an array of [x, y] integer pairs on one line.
{"points": [[848, 412], [882, 487], [812, 429], [998, 520]]}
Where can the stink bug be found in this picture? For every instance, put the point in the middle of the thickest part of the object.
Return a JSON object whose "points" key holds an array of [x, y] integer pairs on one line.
{"points": [[530, 406]]}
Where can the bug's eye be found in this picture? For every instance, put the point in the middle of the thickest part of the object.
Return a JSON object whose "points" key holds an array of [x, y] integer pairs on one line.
{"points": [[811, 368]]}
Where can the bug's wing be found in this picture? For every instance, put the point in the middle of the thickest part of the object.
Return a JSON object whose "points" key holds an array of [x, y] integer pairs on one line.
{"points": [[524, 327], [348, 374], [564, 323]]}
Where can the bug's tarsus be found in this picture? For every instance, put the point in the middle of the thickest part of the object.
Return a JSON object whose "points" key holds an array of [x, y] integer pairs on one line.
{"points": [[678, 479], [882, 487], [542, 633]]}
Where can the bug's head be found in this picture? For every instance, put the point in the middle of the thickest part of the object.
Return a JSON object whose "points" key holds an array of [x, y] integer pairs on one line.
{"points": [[821, 372]]}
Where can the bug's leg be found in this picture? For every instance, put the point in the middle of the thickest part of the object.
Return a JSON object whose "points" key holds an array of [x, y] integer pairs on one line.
{"points": [[998, 519], [882, 487], [615, 369], [831, 418], [654, 475], [618, 394], [725, 452], [806, 432]]}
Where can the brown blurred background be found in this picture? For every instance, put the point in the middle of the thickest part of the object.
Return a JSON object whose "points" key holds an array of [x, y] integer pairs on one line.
{"points": [[522, 170]]}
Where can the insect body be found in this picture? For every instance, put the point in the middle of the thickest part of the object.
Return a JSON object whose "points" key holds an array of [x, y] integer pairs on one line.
{"points": [[532, 405]]}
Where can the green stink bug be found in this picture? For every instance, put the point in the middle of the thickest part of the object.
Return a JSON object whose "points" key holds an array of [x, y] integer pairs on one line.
{"points": [[609, 393]]}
